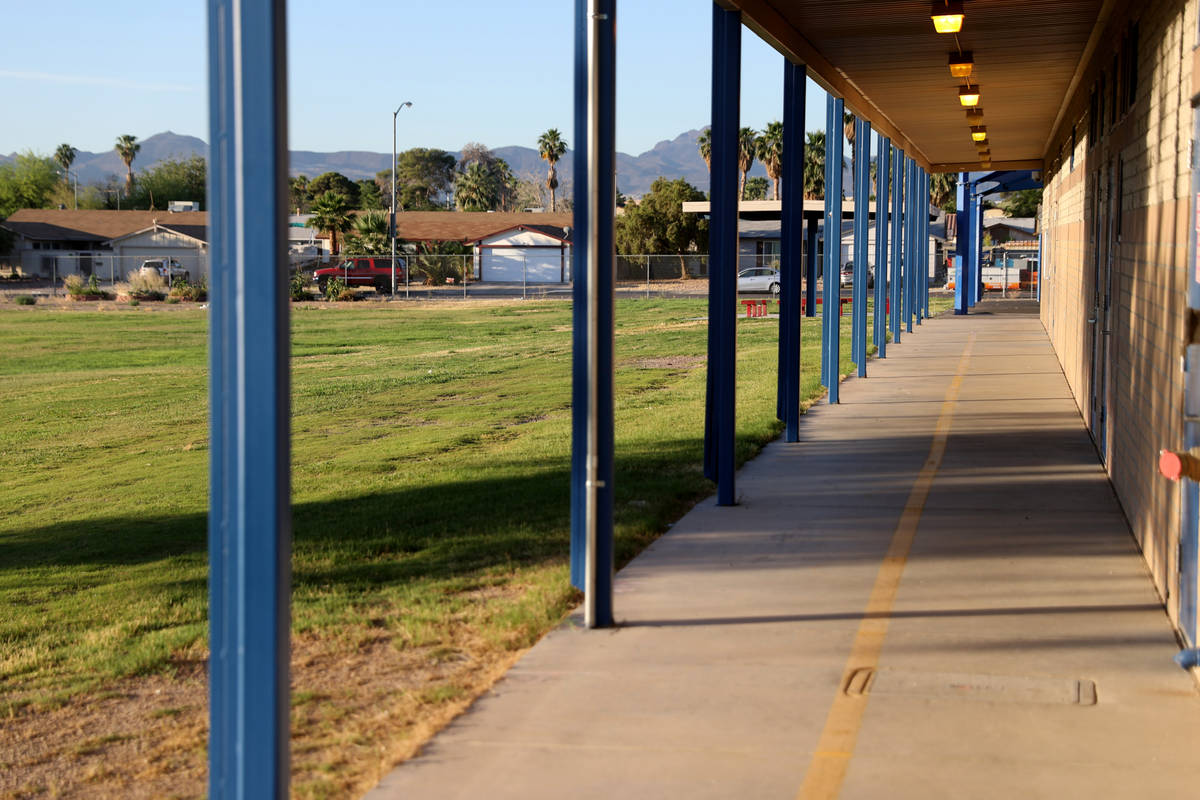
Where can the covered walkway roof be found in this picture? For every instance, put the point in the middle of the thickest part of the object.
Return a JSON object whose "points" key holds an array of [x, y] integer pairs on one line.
{"points": [[889, 64]]}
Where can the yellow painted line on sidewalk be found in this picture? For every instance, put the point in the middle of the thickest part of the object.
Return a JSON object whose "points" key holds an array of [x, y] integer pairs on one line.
{"points": [[827, 770]]}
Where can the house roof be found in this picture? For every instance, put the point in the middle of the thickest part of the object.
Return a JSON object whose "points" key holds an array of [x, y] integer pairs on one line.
{"points": [[1024, 224], [471, 226], [556, 232], [197, 232], [48, 224]]}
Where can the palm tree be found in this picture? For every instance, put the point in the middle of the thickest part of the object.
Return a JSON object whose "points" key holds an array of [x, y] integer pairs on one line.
{"points": [[747, 145], [127, 147], [65, 156], [848, 128], [474, 188], [942, 186], [370, 237], [814, 165], [770, 153], [331, 213], [551, 147], [704, 143]]}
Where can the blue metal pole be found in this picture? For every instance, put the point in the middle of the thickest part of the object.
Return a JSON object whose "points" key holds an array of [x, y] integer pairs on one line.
{"points": [[896, 273], [831, 314], [249, 522], [810, 269], [910, 241], [925, 181], [962, 243], [862, 230], [722, 260], [883, 175], [579, 337], [973, 255], [791, 237], [921, 209], [980, 286]]}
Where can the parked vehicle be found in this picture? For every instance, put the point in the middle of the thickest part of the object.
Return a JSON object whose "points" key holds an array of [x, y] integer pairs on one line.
{"points": [[168, 268], [363, 271], [758, 279], [847, 276]]}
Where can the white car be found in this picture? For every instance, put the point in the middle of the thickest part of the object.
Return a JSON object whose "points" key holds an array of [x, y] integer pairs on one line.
{"points": [[758, 279]]}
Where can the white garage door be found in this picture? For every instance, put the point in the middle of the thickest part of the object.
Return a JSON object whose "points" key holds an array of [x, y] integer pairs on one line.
{"points": [[509, 266]]}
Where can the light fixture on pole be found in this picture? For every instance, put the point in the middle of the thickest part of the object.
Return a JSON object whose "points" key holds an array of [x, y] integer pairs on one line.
{"points": [[392, 218], [961, 64], [947, 15], [969, 95]]}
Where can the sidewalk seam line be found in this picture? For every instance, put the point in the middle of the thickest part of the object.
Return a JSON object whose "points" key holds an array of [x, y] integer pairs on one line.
{"points": [[831, 759]]}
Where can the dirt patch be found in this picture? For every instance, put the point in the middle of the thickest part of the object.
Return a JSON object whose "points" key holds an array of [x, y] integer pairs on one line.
{"points": [[666, 362], [360, 705]]}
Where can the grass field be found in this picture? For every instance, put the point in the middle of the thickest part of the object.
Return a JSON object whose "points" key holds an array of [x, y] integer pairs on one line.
{"points": [[431, 449]]}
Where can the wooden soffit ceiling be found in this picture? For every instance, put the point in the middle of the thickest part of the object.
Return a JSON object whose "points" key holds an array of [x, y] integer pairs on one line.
{"points": [[889, 64]]}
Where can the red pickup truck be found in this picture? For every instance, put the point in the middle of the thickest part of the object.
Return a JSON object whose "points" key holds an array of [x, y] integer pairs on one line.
{"points": [[363, 271]]}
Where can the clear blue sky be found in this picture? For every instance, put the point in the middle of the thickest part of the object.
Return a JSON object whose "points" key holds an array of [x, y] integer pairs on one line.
{"points": [[83, 72]]}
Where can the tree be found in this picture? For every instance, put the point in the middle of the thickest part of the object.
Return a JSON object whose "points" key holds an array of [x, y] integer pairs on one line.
{"points": [[369, 236], [65, 156], [551, 148], [942, 186], [127, 148], [337, 183], [770, 153], [501, 189], [299, 197], [657, 224], [1024, 203], [704, 144], [331, 213], [475, 190], [370, 198], [756, 188], [747, 145], [814, 165], [171, 180], [423, 176], [26, 182]]}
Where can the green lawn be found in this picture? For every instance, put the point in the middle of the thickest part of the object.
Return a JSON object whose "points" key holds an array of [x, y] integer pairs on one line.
{"points": [[431, 448]]}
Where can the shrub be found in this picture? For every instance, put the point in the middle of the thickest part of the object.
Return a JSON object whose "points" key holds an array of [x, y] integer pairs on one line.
{"points": [[298, 288], [172, 299], [135, 302], [74, 284], [191, 292], [337, 289], [76, 287], [24, 300], [143, 286]]}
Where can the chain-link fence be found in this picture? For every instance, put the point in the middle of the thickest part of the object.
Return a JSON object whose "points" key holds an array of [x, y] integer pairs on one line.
{"points": [[110, 269]]}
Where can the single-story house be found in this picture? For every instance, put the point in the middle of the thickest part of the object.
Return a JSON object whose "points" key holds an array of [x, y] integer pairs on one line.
{"points": [[1007, 229], [54, 243]]}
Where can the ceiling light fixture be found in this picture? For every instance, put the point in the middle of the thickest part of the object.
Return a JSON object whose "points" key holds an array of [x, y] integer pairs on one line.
{"points": [[969, 95], [961, 64], [979, 133], [947, 15]]}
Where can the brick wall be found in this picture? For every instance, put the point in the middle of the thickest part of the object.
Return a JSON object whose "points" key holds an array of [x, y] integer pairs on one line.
{"points": [[1126, 196]]}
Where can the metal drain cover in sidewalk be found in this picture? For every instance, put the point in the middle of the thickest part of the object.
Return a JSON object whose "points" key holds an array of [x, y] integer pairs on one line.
{"points": [[985, 688]]}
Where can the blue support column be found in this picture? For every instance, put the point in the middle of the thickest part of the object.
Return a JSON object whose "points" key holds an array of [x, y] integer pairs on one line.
{"points": [[973, 254], [921, 207], [962, 245], [896, 271], [980, 286], [925, 263], [791, 238], [862, 231], [910, 241], [883, 173], [592, 356], [249, 522], [722, 248], [810, 269], [831, 328]]}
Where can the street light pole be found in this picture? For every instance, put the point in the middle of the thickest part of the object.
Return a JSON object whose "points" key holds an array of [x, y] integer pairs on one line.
{"points": [[69, 175], [392, 225]]}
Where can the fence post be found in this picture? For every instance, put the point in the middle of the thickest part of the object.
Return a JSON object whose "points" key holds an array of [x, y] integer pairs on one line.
{"points": [[524, 267], [647, 277], [465, 262]]}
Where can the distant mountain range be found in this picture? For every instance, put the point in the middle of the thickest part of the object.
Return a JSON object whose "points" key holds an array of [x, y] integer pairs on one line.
{"points": [[676, 158]]}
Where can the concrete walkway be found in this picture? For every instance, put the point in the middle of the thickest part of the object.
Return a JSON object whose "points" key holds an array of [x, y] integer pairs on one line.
{"points": [[933, 595]]}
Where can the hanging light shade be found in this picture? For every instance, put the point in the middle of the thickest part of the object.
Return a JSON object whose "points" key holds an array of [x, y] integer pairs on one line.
{"points": [[961, 64], [947, 15], [969, 95], [975, 116], [979, 133]]}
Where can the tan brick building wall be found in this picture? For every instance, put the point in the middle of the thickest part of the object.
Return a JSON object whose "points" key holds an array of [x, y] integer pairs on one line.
{"points": [[1117, 204]]}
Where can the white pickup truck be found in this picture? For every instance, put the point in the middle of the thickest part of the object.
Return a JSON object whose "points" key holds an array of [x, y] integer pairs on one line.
{"points": [[169, 269]]}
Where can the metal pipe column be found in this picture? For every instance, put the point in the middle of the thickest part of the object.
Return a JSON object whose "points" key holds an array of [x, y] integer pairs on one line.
{"points": [[921, 212], [925, 187], [883, 175], [910, 241], [722, 259], [831, 328], [595, 156], [791, 239], [974, 255], [896, 273], [862, 195], [810, 269], [249, 521], [962, 241]]}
